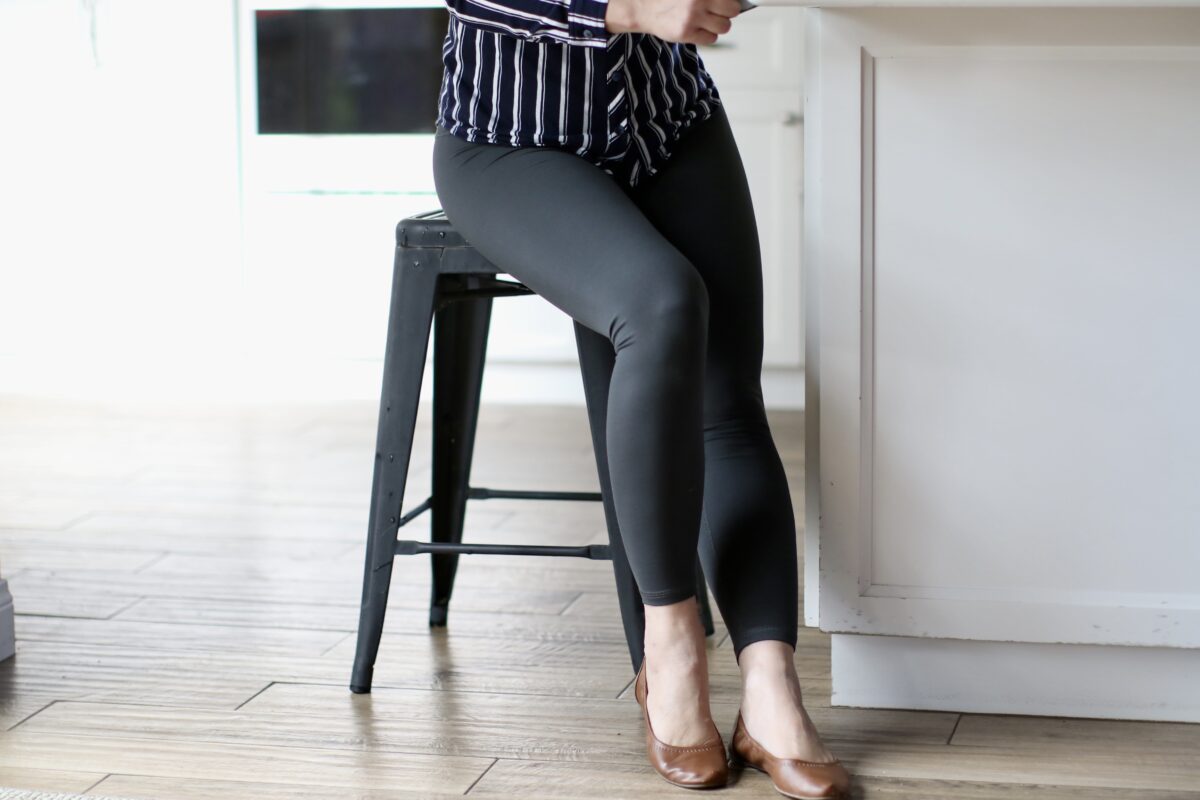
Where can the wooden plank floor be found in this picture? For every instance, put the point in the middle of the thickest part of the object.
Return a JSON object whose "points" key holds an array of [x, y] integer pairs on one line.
{"points": [[186, 583]]}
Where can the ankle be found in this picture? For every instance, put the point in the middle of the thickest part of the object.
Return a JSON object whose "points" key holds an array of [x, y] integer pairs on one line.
{"points": [[681, 648], [770, 687], [767, 676], [682, 614], [674, 626], [677, 662], [766, 663]]}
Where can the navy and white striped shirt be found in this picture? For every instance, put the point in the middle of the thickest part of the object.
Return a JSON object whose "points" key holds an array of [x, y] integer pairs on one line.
{"points": [[548, 73]]}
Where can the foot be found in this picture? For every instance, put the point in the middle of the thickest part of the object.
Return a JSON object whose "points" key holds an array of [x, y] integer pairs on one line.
{"points": [[772, 709], [677, 674]]}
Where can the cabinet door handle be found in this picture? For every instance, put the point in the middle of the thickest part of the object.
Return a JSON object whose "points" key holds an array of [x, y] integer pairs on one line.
{"points": [[794, 118]]}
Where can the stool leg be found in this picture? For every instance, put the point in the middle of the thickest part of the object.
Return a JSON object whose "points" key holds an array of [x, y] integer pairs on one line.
{"points": [[414, 290], [459, 348], [706, 617]]}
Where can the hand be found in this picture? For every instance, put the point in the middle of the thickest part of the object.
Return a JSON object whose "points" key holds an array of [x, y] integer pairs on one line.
{"points": [[684, 21]]}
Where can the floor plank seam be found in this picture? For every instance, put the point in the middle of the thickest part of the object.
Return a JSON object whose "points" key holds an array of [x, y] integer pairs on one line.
{"points": [[572, 602], [251, 697], [954, 730], [315, 748], [97, 783], [485, 772], [323, 653], [378, 686], [126, 607], [28, 717]]}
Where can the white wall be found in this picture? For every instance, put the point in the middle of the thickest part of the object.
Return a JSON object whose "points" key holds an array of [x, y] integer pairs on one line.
{"points": [[151, 249], [119, 261]]}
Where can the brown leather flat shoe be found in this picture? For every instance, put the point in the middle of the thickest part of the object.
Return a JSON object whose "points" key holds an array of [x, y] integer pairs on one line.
{"points": [[701, 766], [803, 780]]}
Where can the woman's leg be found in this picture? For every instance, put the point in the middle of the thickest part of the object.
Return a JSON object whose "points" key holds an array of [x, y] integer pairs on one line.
{"points": [[570, 232], [701, 201]]}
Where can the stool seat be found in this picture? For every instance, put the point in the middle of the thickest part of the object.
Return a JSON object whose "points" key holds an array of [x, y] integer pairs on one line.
{"points": [[442, 286], [428, 229]]}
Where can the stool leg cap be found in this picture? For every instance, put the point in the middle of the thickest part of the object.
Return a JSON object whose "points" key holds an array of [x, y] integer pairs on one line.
{"points": [[360, 681]]}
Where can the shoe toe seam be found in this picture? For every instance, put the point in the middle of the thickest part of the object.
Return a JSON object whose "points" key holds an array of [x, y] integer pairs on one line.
{"points": [[686, 749]]}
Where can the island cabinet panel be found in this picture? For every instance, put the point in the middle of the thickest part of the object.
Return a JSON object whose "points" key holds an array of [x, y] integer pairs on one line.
{"points": [[1002, 261]]}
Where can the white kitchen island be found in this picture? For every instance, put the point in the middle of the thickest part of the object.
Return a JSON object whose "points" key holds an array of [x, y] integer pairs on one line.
{"points": [[1002, 281]]}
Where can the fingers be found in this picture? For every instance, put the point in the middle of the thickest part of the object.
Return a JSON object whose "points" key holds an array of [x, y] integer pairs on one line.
{"points": [[714, 23], [706, 21], [724, 8], [714, 19], [700, 36]]}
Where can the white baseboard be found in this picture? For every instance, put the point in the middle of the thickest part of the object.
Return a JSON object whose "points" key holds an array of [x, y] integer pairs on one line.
{"points": [[7, 629], [303, 380], [1068, 680], [562, 384]]}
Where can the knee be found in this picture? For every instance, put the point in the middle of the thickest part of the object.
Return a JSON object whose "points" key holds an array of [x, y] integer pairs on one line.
{"points": [[676, 315], [669, 316]]}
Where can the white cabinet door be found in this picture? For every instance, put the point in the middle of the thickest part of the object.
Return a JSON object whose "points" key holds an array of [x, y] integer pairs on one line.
{"points": [[767, 125], [757, 67]]}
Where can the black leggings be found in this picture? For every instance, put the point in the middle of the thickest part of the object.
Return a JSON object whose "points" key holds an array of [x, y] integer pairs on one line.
{"points": [[670, 271]]}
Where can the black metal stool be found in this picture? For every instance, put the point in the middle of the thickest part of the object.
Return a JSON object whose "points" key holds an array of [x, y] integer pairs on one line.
{"points": [[441, 282]]}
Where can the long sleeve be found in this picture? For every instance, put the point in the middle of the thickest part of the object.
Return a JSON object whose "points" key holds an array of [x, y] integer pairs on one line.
{"points": [[578, 22]]}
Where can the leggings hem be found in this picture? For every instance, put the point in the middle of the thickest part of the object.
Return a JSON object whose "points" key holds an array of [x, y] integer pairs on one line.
{"points": [[762, 633], [667, 596]]}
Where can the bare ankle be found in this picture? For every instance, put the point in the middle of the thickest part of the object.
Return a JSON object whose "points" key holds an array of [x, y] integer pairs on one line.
{"points": [[767, 656], [680, 614], [674, 623]]}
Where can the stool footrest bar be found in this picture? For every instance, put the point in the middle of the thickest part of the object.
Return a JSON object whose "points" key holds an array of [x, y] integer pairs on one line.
{"points": [[474, 493], [447, 296], [599, 552]]}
